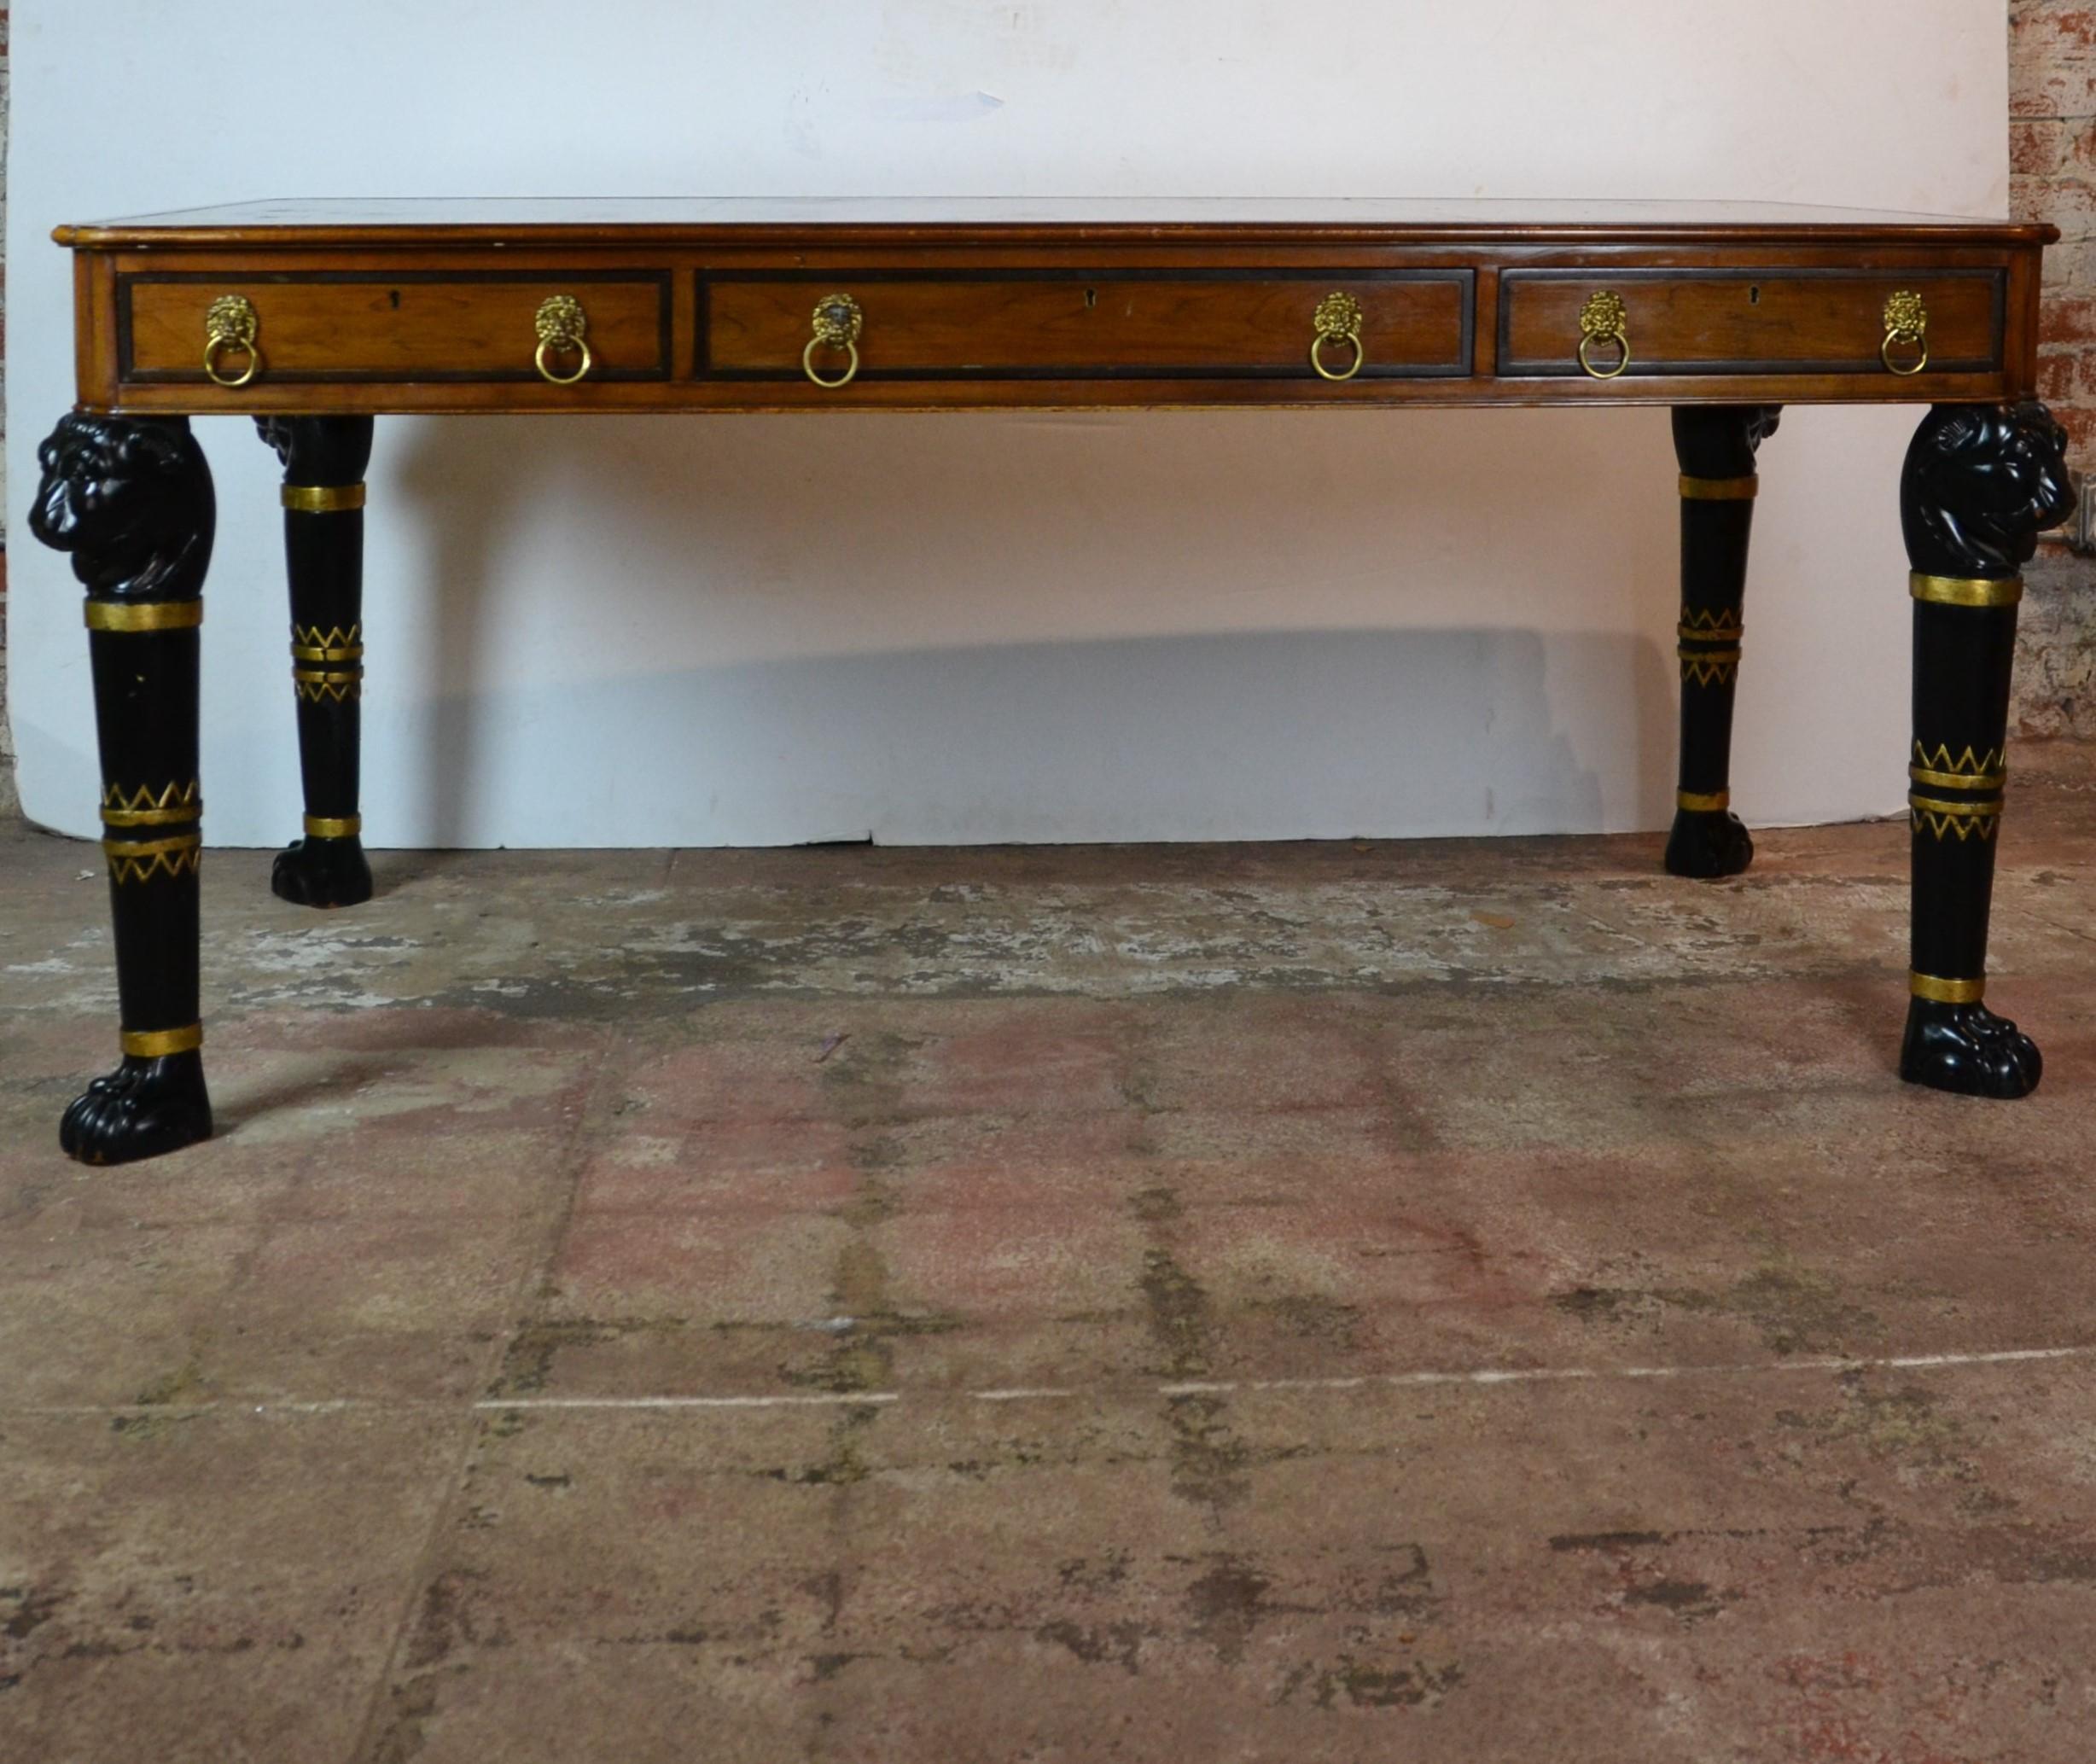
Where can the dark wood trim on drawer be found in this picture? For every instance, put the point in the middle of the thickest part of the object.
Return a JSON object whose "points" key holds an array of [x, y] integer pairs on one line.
{"points": [[662, 281], [1457, 363], [992, 317], [1873, 285]]}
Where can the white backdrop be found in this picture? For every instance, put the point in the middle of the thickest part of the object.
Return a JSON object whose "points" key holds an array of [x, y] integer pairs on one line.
{"points": [[959, 627]]}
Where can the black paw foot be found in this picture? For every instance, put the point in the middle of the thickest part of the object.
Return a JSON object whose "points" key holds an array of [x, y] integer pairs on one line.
{"points": [[1707, 843], [322, 872], [143, 1109], [1968, 1050]]}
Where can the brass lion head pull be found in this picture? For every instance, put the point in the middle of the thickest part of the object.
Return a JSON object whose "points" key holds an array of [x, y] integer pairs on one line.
{"points": [[232, 324], [563, 329], [1336, 320], [837, 325], [1605, 319], [1906, 322]]}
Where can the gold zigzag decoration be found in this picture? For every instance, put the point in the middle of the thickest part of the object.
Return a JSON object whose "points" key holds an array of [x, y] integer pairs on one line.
{"points": [[1721, 621], [1707, 672], [1980, 827], [318, 692], [1967, 764], [175, 797], [187, 861], [334, 638]]}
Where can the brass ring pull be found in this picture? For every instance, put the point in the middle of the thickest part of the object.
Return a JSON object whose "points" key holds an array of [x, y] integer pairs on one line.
{"points": [[1603, 319], [1906, 320], [545, 373], [1338, 320], [564, 327], [232, 323], [837, 324]]}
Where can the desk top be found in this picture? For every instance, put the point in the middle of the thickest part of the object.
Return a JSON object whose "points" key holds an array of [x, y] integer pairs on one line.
{"points": [[1397, 220]]}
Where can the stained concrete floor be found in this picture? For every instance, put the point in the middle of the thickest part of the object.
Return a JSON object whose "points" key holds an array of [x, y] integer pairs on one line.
{"points": [[1445, 1301]]}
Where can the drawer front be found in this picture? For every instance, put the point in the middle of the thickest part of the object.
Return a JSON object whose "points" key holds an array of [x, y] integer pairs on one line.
{"points": [[1096, 325], [1749, 321], [432, 326]]}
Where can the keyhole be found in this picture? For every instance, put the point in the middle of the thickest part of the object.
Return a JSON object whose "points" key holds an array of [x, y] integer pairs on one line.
{"points": [[394, 296], [1091, 298], [1753, 297]]}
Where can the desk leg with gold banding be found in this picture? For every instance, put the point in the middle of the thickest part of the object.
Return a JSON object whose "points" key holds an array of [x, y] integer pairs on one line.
{"points": [[1981, 481], [132, 501], [324, 459], [1715, 445]]}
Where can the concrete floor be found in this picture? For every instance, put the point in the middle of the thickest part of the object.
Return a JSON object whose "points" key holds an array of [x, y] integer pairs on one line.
{"points": [[1441, 1301]]}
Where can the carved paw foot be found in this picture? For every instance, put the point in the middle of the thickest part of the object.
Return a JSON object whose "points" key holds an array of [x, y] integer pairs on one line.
{"points": [[143, 1109], [1707, 843], [1968, 1050], [321, 872]]}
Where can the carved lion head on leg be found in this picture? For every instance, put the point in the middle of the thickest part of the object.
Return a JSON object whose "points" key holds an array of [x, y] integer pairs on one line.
{"points": [[132, 500], [1982, 482]]}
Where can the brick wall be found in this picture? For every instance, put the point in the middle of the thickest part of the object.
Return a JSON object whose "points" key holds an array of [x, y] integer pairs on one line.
{"points": [[8, 802], [2052, 177]]}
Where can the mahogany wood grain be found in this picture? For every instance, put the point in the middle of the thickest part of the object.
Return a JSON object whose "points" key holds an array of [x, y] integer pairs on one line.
{"points": [[396, 324], [1089, 321], [705, 306], [1747, 320]]}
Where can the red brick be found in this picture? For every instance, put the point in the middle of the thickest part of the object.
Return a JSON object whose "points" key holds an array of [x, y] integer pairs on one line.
{"points": [[2037, 146], [2079, 422], [2068, 318], [2069, 203], [2071, 264], [2055, 378], [2051, 60]]}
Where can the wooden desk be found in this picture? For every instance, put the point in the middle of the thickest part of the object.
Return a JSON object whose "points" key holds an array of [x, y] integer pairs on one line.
{"points": [[314, 317]]}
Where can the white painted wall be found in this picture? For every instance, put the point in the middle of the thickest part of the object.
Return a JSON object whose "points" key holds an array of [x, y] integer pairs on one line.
{"points": [[752, 630]]}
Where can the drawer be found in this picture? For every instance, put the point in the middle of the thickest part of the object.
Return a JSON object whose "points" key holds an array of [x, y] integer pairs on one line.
{"points": [[427, 326], [1749, 321], [1087, 325]]}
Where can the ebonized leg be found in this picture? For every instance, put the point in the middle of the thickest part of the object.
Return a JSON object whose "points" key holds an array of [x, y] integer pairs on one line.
{"points": [[132, 500], [324, 459], [1981, 481], [1715, 445]]}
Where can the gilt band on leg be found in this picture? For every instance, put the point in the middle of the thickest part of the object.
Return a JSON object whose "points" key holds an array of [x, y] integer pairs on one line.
{"points": [[1715, 445], [323, 498], [130, 500], [152, 812], [1964, 645], [1980, 482]]}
